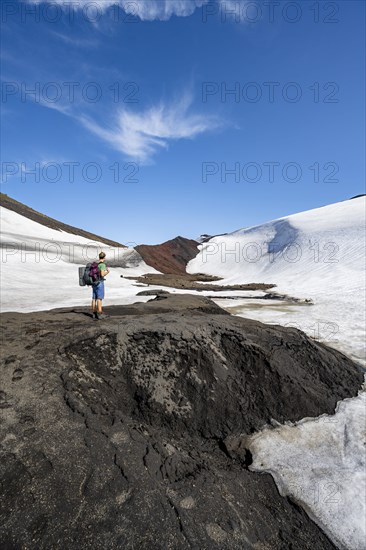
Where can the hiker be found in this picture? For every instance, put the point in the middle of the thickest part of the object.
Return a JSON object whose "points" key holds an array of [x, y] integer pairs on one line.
{"points": [[98, 289]]}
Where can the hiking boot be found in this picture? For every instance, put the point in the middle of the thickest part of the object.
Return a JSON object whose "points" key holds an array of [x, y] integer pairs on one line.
{"points": [[101, 316]]}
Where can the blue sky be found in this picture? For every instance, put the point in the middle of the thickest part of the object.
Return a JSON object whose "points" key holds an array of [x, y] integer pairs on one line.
{"points": [[131, 130]]}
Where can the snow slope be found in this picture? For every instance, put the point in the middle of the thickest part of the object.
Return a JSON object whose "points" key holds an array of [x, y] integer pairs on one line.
{"points": [[39, 267], [317, 254]]}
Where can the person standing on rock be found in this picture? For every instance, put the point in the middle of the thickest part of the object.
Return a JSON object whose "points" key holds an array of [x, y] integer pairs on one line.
{"points": [[98, 289]]}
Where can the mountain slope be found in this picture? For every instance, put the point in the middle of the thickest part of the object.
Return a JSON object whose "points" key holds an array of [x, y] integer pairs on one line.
{"points": [[317, 254], [39, 265], [302, 251], [20, 208]]}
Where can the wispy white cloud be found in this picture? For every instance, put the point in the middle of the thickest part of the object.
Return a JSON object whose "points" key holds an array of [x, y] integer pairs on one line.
{"points": [[77, 42], [146, 10], [162, 9], [139, 136], [64, 109]]}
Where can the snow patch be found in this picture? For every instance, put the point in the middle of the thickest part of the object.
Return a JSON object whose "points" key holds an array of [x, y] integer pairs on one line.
{"points": [[321, 464]]}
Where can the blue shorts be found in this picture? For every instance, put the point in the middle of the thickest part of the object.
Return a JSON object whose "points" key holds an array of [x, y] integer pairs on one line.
{"points": [[98, 291]]}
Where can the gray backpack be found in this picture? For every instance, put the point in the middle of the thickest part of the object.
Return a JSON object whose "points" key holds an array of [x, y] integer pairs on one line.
{"points": [[89, 275]]}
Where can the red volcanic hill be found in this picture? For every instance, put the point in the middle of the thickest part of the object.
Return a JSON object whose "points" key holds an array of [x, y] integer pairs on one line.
{"points": [[171, 256]]}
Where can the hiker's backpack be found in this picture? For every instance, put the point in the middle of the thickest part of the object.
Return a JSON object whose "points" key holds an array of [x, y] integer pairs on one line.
{"points": [[89, 275]]}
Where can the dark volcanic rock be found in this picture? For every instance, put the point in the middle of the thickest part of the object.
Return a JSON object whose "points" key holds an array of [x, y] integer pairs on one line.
{"points": [[197, 281], [121, 433], [171, 256], [156, 292], [205, 238]]}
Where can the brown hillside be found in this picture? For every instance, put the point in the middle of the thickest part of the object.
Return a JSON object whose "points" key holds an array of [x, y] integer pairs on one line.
{"points": [[171, 256]]}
